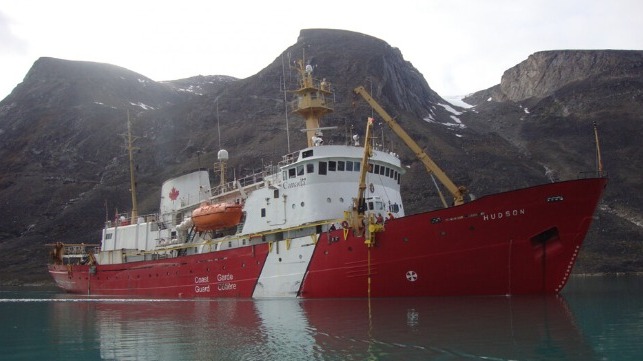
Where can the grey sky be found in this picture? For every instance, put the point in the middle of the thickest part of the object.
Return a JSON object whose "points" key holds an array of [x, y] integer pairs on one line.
{"points": [[460, 46]]}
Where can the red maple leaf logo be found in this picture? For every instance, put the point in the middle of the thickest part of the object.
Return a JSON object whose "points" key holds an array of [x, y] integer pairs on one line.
{"points": [[174, 194]]}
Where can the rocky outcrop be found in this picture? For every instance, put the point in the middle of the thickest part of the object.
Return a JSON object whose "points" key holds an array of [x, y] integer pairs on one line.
{"points": [[545, 72], [546, 107]]}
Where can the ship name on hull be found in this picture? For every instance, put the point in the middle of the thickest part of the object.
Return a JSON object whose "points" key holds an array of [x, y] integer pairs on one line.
{"points": [[503, 214]]}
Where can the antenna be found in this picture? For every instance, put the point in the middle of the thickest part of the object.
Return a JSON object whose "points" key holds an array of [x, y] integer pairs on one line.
{"points": [[283, 71], [599, 161], [218, 130], [130, 148]]}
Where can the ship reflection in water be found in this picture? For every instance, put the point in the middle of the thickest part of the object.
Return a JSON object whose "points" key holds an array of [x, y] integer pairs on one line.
{"points": [[495, 328]]}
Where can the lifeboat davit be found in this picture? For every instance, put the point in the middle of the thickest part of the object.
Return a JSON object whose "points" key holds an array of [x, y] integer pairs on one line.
{"points": [[209, 217]]}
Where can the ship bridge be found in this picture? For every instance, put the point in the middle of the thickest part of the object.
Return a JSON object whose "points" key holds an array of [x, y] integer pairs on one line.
{"points": [[313, 100], [318, 183]]}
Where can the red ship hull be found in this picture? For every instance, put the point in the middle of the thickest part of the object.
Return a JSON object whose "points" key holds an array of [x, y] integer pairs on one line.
{"points": [[519, 242], [230, 273]]}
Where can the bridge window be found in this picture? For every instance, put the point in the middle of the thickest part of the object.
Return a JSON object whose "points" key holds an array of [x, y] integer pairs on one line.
{"points": [[310, 168], [377, 168], [263, 212], [322, 168], [349, 166], [291, 173], [386, 173], [332, 165], [300, 170], [307, 153], [340, 165], [382, 170], [356, 166]]}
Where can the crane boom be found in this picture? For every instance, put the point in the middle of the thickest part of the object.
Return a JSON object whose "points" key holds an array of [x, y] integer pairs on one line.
{"points": [[457, 192]]}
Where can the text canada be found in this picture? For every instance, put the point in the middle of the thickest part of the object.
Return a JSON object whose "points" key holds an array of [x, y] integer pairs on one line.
{"points": [[300, 183]]}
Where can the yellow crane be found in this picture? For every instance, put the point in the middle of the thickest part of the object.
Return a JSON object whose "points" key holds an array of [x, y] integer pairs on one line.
{"points": [[457, 192]]}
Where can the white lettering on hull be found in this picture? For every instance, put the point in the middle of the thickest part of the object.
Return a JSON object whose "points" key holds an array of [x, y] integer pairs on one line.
{"points": [[226, 277], [503, 214], [199, 284], [202, 289], [226, 286], [202, 283]]}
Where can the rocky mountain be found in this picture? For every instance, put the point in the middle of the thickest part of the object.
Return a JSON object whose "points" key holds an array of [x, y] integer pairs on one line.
{"points": [[545, 107], [65, 169]]}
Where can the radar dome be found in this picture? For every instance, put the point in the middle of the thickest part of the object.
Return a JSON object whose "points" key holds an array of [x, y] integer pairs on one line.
{"points": [[222, 155]]}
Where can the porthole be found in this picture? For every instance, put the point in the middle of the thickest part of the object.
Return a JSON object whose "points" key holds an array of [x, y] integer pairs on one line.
{"points": [[328, 200], [302, 204], [293, 206], [341, 200]]}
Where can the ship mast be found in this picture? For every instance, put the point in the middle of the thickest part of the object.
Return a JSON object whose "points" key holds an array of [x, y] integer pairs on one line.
{"points": [[132, 177], [222, 157], [599, 160], [311, 101], [220, 166]]}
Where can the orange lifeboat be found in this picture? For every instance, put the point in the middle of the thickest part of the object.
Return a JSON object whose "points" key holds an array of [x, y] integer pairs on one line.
{"points": [[216, 216]]}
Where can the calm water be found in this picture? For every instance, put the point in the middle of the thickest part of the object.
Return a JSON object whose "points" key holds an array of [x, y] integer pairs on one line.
{"points": [[596, 318]]}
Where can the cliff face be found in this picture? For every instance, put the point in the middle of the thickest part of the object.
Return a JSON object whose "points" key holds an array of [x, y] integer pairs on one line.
{"points": [[65, 170], [546, 106], [543, 73]]}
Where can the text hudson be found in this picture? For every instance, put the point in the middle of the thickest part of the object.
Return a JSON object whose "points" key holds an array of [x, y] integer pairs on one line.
{"points": [[503, 214]]}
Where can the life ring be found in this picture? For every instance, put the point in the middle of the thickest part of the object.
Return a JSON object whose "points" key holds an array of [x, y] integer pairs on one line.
{"points": [[345, 224], [371, 187]]}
